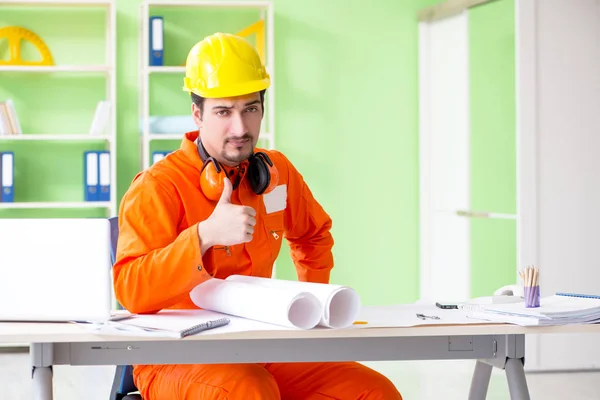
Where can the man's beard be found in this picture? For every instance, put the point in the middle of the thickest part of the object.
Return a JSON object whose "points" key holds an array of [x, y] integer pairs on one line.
{"points": [[237, 156]]}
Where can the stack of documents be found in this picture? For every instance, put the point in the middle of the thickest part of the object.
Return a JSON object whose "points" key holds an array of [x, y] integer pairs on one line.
{"points": [[558, 309]]}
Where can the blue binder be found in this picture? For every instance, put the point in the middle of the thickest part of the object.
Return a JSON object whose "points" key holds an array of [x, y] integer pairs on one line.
{"points": [[7, 172], [158, 155], [156, 41], [91, 175], [104, 175]]}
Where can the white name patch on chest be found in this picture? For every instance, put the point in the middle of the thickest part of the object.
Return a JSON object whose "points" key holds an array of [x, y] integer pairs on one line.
{"points": [[275, 200]]}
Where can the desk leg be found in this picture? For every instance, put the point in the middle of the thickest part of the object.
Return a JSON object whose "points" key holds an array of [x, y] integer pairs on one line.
{"points": [[480, 381], [517, 384], [509, 353], [42, 357], [42, 383]]}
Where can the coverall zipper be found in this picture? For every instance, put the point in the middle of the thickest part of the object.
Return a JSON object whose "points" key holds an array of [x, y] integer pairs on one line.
{"points": [[226, 248]]}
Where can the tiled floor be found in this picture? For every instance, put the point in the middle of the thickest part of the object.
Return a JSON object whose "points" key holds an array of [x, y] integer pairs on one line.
{"points": [[417, 380]]}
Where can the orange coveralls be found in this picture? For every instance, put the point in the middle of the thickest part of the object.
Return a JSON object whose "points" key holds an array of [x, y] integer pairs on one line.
{"points": [[159, 261]]}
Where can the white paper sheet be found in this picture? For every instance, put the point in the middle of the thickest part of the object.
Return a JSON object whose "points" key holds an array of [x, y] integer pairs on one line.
{"points": [[166, 323], [393, 316], [406, 315], [340, 304], [166, 320], [271, 305]]}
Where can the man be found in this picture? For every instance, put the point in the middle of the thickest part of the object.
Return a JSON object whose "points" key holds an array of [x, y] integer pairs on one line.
{"points": [[214, 208]]}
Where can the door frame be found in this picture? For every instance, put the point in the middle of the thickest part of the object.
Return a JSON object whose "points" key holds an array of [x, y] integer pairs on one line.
{"points": [[527, 137]]}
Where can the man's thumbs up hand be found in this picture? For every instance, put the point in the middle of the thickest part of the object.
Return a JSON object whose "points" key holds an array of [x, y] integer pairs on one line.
{"points": [[229, 224], [226, 194]]}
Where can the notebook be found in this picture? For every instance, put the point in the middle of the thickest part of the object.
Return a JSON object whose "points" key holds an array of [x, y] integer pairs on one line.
{"points": [[166, 323], [584, 296]]}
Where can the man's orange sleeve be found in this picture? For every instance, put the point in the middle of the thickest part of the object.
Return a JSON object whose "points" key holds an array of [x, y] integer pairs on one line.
{"points": [[156, 266], [307, 230]]}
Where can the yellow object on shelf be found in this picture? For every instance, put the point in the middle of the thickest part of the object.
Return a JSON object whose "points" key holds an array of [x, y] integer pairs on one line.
{"points": [[15, 34], [259, 29]]}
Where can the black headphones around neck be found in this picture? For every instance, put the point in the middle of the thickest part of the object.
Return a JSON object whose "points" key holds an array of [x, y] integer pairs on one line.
{"points": [[262, 174]]}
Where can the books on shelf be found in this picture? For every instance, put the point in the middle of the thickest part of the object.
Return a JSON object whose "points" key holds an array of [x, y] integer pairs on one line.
{"points": [[9, 121], [10, 125], [97, 176], [158, 155], [156, 40], [7, 174]]}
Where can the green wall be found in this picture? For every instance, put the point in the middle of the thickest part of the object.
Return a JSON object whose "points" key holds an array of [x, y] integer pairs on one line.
{"points": [[347, 101], [493, 146], [346, 78]]}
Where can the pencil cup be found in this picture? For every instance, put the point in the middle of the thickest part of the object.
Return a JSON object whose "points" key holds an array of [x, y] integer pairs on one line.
{"points": [[532, 296]]}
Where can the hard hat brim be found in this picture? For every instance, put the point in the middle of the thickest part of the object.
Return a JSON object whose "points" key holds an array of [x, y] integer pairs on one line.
{"points": [[232, 90]]}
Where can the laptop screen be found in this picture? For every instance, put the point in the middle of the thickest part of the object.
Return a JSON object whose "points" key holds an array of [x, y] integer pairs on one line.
{"points": [[55, 269]]}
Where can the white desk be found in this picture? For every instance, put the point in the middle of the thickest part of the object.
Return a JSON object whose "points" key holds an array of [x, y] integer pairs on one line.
{"points": [[502, 346]]}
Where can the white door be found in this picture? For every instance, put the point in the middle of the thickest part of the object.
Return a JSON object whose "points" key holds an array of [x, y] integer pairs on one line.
{"points": [[444, 158], [558, 97], [467, 240]]}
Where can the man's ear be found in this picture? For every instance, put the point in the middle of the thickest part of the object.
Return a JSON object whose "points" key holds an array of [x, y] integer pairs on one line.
{"points": [[197, 116]]}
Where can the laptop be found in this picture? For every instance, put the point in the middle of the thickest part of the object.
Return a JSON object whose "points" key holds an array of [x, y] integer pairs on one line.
{"points": [[55, 269]]}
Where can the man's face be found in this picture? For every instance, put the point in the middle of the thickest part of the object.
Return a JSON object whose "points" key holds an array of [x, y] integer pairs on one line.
{"points": [[230, 127]]}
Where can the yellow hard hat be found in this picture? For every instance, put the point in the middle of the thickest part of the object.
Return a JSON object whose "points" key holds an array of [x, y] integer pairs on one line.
{"points": [[224, 65]]}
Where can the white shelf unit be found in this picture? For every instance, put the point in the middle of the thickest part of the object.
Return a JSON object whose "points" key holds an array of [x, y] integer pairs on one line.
{"points": [[54, 68], [57, 204], [108, 69], [62, 137], [266, 14]]}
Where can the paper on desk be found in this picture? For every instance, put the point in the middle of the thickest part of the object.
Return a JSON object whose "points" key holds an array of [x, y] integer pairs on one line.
{"points": [[395, 316], [271, 305], [166, 323], [405, 315], [553, 310], [340, 304]]}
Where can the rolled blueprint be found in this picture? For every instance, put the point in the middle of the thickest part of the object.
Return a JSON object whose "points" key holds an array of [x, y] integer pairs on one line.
{"points": [[293, 309], [340, 304]]}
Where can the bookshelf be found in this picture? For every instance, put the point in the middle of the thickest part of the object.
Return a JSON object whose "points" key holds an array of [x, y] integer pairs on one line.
{"points": [[184, 24], [56, 103], [54, 68]]}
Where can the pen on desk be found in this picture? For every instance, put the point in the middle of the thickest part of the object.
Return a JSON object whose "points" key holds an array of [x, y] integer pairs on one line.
{"points": [[205, 326], [115, 318], [424, 317], [360, 323]]}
